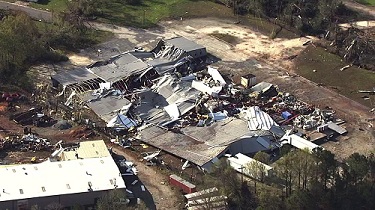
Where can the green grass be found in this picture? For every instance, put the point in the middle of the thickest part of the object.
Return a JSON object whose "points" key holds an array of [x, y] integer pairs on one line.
{"points": [[51, 5], [150, 12], [327, 66], [366, 2], [89, 38]]}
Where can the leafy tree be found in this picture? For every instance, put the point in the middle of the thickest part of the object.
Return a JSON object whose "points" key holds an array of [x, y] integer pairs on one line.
{"points": [[269, 198], [357, 168], [284, 170], [326, 167], [226, 179], [20, 44], [301, 199], [262, 157]]}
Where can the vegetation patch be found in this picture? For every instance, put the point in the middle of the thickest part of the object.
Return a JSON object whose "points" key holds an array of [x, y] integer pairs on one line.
{"points": [[145, 14], [322, 67], [44, 43], [51, 5], [366, 2]]}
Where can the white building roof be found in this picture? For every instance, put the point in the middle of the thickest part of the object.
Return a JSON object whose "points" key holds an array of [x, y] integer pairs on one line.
{"points": [[299, 142], [58, 178], [240, 163], [87, 149]]}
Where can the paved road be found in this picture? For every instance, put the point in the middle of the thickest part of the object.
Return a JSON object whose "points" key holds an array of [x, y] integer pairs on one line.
{"points": [[33, 13]]}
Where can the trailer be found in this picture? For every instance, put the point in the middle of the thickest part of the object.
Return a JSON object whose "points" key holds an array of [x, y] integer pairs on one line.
{"points": [[184, 185]]}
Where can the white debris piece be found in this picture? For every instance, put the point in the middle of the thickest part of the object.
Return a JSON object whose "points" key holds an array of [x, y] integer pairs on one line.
{"points": [[172, 111], [257, 119], [214, 91], [70, 99], [216, 76], [135, 182]]}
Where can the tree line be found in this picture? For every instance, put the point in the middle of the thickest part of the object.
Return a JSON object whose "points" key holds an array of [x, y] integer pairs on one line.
{"points": [[302, 180], [310, 17], [25, 42]]}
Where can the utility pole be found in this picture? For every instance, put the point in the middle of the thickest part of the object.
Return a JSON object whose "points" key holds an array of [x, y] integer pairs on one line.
{"points": [[242, 173]]}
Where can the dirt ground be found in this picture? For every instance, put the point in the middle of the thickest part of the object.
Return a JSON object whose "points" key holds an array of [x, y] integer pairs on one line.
{"points": [[164, 195]]}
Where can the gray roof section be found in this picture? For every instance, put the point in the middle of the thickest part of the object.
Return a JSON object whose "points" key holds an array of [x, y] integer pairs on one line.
{"points": [[333, 126], [125, 59], [107, 107], [73, 76], [180, 145], [220, 133], [123, 67], [151, 108], [184, 44]]}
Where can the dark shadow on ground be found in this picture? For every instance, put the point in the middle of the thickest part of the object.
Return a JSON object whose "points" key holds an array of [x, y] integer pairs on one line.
{"points": [[134, 188], [137, 191]]}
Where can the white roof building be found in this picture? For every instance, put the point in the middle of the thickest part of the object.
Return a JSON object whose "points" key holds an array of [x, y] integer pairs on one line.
{"points": [[240, 163], [59, 178]]}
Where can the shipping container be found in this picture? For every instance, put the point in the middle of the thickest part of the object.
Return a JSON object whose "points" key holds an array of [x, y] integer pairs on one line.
{"points": [[186, 186]]}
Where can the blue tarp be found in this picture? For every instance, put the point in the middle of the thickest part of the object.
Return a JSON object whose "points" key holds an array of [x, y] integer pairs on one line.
{"points": [[286, 115]]}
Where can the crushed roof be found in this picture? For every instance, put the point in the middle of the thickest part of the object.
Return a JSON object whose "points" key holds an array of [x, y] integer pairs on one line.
{"points": [[113, 72], [105, 107], [220, 133], [180, 145]]}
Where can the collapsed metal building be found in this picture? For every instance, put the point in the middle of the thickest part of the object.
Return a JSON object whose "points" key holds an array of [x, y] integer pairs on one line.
{"points": [[134, 68], [171, 100]]}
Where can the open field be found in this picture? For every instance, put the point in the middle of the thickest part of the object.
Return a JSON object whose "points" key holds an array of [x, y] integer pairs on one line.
{"points": [[149, 13], [322, 67]]}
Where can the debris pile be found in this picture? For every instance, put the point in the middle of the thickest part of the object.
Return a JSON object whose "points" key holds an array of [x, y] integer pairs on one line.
{"points": [[197, 114], [29, 142], [355, 45], [34, 116]]}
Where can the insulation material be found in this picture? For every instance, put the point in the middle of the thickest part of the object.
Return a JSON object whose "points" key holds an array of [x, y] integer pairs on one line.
{"points": [[257, 119], [105, 85]]}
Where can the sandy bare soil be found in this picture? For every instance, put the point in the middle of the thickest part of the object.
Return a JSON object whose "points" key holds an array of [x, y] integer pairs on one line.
{"points": [[79, 60]]}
